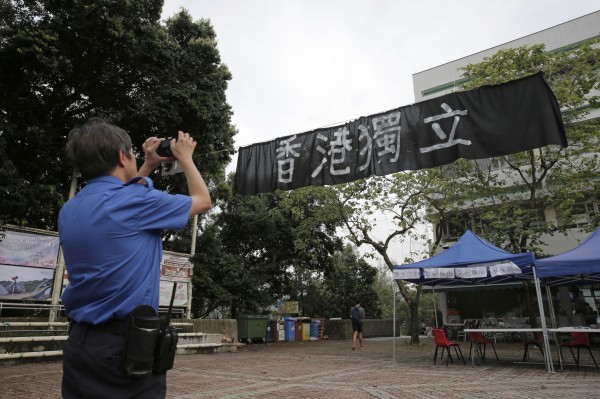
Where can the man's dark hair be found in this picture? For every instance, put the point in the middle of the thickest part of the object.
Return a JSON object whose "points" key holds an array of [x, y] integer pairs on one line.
{"points": [[93, 149]]}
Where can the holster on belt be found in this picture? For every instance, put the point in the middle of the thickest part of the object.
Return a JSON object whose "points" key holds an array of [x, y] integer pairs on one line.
{"points": [[141, 337]]}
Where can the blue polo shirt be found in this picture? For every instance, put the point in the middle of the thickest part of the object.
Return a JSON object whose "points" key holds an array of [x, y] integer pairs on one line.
{"points": [[110, 236]]}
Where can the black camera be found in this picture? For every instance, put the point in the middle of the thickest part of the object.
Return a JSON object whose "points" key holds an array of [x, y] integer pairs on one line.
{"points": [[164, 148]]}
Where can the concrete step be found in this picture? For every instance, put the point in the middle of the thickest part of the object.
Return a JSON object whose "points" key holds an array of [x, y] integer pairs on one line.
{"points": [[41, 343], [195, 349], [8, 359], [40, 338], [14, 350], [199, 338]]}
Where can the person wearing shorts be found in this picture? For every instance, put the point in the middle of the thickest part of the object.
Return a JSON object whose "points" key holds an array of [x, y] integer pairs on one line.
{"points": [[357, 314]]}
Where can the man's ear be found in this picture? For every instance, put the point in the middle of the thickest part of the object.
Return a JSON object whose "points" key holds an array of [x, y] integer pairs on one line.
{"points": [[123, 158]]}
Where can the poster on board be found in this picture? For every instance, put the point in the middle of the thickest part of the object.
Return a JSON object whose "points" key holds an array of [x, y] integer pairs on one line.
{"points": [[25, 283], [175, 268], [28, 249], [166, 290]]}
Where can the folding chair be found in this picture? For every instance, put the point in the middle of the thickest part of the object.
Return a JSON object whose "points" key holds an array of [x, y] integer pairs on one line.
{"points": [[442, 342], [478, 339], [578, 340], [537, 341]]}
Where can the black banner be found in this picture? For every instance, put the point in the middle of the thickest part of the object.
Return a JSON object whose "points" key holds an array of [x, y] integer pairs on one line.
{"points": [[485, 122]]}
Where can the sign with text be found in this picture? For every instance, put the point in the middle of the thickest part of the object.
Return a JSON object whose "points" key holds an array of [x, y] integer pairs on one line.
{"points": [[470, 272], [438, 272], [28, 249], [175, 268], [166, 290], [504, 269], [406, 274], [288, 307]]}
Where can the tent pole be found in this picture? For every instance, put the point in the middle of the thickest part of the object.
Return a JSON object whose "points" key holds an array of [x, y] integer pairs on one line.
{"points": [[553, 320], [548, 357], [435, 309], [551, 307], [394, 321]]}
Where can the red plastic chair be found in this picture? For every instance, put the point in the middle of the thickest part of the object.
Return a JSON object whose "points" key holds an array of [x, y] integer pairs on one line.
{"points": [[578, 340], [478, 339], [442, 342], [537, 341]]}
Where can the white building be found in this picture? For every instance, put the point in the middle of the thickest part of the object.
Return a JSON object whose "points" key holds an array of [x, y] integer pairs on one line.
{"points": [[446, 78]]}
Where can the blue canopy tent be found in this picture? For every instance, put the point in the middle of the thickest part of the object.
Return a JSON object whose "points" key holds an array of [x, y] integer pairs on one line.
{"points": [[472, 261], [579, 265]]}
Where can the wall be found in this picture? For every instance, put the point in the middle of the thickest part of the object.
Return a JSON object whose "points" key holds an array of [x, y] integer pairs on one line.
{"points": [[342, 329], [333, 329], [226, 327]]}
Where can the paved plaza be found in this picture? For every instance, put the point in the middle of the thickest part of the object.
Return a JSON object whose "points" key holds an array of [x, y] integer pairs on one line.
{"points": [[330, 369]]}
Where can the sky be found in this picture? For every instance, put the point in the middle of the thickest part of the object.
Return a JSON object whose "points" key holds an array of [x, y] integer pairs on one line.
{"points": [[299, 65]]}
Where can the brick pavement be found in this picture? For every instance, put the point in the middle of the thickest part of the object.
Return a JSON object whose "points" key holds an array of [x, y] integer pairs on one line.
{"points": [[330, 369]]}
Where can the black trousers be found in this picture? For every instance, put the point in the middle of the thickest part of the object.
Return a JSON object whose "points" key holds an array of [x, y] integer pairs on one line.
{"points": [[92, 369]]}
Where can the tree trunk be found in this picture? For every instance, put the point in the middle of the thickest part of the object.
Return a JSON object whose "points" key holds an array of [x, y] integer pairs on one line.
{"points": [[415, 326]]}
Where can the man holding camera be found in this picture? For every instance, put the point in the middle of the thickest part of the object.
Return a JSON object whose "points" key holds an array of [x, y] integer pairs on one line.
{"points": [[110, 233]]}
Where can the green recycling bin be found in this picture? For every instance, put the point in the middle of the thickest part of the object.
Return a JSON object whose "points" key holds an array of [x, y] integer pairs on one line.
{"points": [[252, 328]]}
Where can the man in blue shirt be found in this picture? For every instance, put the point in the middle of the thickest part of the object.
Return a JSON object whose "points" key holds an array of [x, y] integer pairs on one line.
{"points": [[110, 233]]}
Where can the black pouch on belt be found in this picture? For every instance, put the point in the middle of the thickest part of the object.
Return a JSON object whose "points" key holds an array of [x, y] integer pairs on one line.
{"points": [[140, 341]]}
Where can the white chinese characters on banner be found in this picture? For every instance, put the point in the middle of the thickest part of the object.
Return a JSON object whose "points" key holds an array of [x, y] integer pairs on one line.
{"points": [[504, 268], [407, 274], [471, 272], [438, 272]]}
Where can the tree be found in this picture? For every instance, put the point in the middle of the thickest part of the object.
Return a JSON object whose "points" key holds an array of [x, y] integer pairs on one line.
{"points": [[217, 277], [348, 280], [397, 200], [548, 178], [63, 61], [275, 245], [383, 286]]}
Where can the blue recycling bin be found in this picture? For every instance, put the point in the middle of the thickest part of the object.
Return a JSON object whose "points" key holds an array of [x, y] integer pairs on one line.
{"points": [[290, 329], [315, 329]]}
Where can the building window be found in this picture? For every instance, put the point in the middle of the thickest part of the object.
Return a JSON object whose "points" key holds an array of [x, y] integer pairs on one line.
{"points": [[581, 215]]}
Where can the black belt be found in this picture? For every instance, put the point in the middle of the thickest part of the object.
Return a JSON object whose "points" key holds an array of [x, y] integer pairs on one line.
{"points": [[115, 327]]}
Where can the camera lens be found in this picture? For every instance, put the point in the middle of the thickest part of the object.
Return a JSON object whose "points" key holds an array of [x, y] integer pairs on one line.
{"points": [[164, 148]]}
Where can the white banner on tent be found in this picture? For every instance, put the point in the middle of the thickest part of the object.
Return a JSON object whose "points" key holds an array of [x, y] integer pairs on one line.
{"points": [[439, 272], [407, 274], [471, 272], [504, 268]]}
